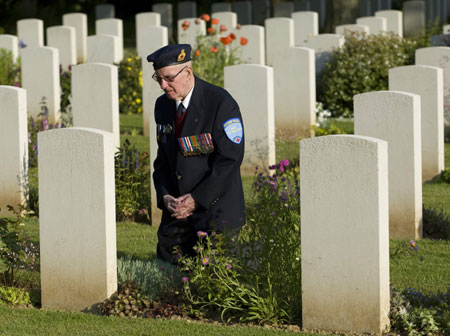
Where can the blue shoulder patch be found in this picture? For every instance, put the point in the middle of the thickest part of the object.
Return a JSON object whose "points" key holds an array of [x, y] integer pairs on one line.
{"points": [[233, 130]]}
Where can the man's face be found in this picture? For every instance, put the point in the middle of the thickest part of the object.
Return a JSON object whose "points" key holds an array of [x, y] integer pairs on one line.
{"points": [[175, 80]]}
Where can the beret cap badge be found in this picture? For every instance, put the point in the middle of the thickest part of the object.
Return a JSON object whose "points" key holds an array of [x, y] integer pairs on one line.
{"points": [[181, 56]]}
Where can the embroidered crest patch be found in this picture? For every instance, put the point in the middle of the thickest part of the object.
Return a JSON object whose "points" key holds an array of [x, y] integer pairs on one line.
{"points": [[233, 130], [181, 56]]}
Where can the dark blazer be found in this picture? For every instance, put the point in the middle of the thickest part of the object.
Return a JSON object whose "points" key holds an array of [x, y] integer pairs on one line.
{"points": [[213, 179]]}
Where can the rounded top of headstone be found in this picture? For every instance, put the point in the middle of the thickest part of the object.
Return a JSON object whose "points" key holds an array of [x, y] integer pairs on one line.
{"points": [[170, 55]]}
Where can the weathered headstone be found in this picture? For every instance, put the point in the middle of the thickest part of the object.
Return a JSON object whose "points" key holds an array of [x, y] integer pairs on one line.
{"points": [[254, 52], [394, 116], [283, 9], [323, 45], [165, 10], [150, 92], [243, 9], [279, 36], [439, 57], [111, 27], [244, 82], [413, 17], [345, 237], [220, 7], [187, 9], [95, 98], [295, 92], [376, 25], [10, 43], [340, 30], [157, 37], [193, 30], [31, 32], [260, 11], [144, 23], [394, 20], [77, 242], [79, 22], [103, 49], [228, 19], [63, 38], [13, 148], [104, 11], [305, 24], [427, 82], [40, 77]]}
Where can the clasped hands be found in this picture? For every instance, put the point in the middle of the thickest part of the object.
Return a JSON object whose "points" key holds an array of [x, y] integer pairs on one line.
{"points": [[181, 207]]}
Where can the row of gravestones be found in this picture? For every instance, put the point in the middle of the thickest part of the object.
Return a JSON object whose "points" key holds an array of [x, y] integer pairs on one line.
{"points": [[355, 194]]}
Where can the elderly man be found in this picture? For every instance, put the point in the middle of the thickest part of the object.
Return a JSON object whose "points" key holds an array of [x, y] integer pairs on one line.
{"points": [[200, 150]]}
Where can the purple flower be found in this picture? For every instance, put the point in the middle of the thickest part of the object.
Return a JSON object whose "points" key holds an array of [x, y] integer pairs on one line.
{"points": [[22, 44], [45, 124], [202, 234], [413, 245], [272, 167], [143, 211], [284, 196], [185, 279], [283, 164], [228, 267], [205, 261]]}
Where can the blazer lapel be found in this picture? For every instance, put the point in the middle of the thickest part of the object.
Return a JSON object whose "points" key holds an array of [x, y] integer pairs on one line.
{"points": [[194, 111]]}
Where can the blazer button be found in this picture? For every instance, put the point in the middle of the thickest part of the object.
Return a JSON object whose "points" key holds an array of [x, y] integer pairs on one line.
{"points": [[179, 176]]}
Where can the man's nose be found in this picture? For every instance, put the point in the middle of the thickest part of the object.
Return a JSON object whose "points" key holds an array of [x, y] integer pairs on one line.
{"points": [[163, 84]]}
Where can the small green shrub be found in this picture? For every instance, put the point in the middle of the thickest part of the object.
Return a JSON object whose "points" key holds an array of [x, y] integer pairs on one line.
{"points": [[361, 65], [446, 175], [130, 85], [13, 296], [155, 278], [66, 90], [132, 177], [9, 70], [436, 224]]}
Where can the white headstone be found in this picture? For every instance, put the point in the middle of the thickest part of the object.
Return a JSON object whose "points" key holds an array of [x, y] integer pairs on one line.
{"points": [[187, 9], [103, 49], [305, 24], [427, 82], [144, 24], [63, 38], [157, 37], [413, 17], [228, 19], [220, 7], [77, 242], [104, 11], [446, 29], [279, 36], [283, 9], [95, 98], [439, 57], [243, 9], [40, 77], [189, 35], [376, 25], [111, 27], [11, 43], [394, 20], [244, 82], [13, 148], [31, 32], [295, 92], [394, 116], [323, 45], [345, 237], [165, 10], [340, 30], [79, 22], [254, 51]]}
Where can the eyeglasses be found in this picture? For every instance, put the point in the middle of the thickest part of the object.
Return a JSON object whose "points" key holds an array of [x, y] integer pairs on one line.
{"points": [[159, 78]]}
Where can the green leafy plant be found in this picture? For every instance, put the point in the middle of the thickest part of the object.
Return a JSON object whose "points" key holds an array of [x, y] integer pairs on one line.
{"points": [[361, 65], [436, 224], [215, 51], [130, 85], [13, 296], [9, 69], [66, 108], [132, 177], [446, 175]]}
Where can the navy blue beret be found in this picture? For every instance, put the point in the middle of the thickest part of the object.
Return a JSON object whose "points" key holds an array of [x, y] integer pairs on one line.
{"points": [[170, 55]]}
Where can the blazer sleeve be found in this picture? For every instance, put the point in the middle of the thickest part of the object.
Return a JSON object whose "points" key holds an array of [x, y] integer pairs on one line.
{"points": [[226, 160]]}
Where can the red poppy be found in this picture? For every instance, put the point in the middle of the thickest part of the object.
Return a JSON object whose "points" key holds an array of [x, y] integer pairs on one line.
{"points": [[223, 28], [210, 30], [205, 17], [215, 21], [214, 50], [226, 40], [232, 36], [197, 53], [185, 25], [244, 41]]}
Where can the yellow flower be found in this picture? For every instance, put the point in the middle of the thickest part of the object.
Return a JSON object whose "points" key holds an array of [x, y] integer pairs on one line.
{"points": [[140, 109], [121, 99], [129, 68], [140, 82], [138, 100], [129, 59], [134, 93]]}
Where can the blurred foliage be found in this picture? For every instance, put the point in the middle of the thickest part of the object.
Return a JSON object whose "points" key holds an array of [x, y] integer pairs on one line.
{"points": [[9, 70], [130, 85]]}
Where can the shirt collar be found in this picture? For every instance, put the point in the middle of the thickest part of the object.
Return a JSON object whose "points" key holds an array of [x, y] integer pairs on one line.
{"points": [[186, 100]]}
